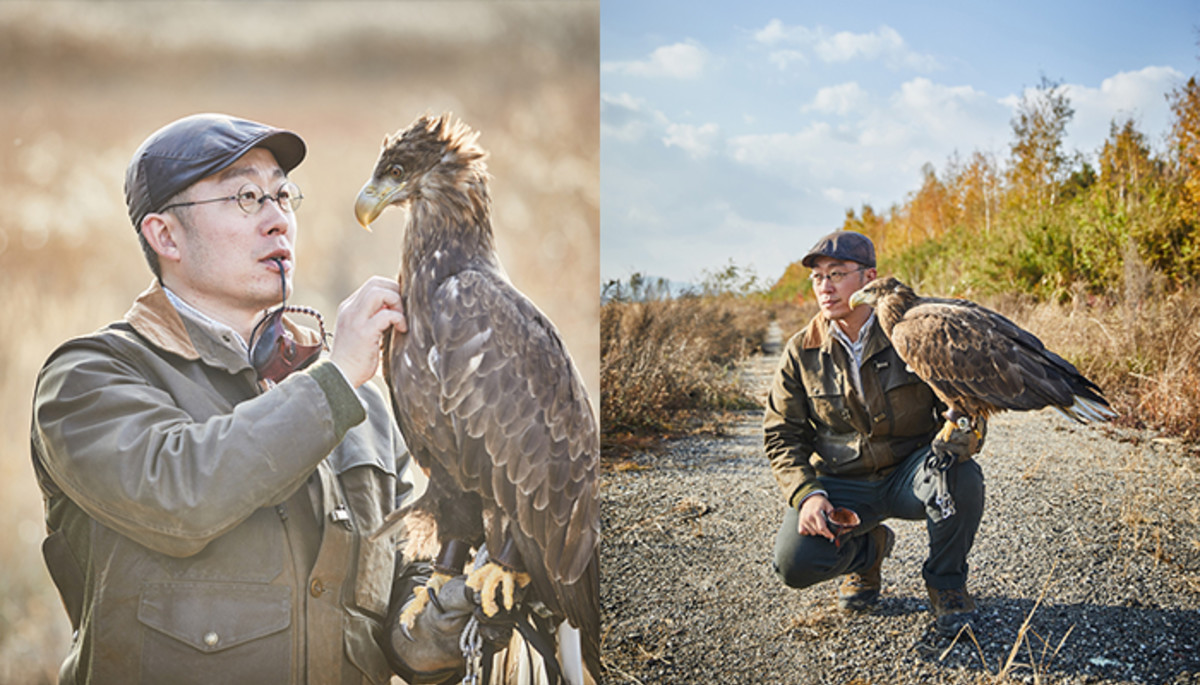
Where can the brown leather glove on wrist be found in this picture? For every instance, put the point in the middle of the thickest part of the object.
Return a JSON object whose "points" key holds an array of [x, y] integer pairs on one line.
{"points": [[963, 443]]}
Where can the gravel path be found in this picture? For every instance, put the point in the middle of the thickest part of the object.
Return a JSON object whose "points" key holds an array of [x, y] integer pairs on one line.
{"points": [[1101, 525]]}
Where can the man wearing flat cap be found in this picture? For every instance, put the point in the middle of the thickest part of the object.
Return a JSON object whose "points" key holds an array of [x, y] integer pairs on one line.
{"points": [[848, 428], [210, 488]]}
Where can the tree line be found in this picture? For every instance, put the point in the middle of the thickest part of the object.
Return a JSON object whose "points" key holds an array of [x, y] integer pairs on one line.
{"points": [[1047, 221]]}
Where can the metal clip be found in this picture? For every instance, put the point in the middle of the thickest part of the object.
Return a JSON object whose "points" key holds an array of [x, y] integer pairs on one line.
{"points": [[939, 465], [341, 515], [944, 500]]}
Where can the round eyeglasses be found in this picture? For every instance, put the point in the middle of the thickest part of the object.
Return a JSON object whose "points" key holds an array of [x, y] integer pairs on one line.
{"points": [[251, 198], [833, 277]]}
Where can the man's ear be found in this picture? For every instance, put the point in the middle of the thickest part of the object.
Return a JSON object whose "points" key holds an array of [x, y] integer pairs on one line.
{"points": [[163, 232]]}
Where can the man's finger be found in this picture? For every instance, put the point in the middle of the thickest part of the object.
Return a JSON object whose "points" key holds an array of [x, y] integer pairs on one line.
{"points": [[389, 318]]}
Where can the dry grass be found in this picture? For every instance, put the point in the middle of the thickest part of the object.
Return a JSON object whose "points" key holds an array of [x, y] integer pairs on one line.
{"points": [[85, 82], [1144, 353], [1038, 661], [666, 362]]}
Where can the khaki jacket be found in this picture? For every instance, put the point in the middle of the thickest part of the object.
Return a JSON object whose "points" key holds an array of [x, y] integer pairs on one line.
{"points": [[816, 423], [202, 528]]}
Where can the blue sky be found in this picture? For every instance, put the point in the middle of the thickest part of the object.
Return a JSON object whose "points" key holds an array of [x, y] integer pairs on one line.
{"points": [[744, 130]]}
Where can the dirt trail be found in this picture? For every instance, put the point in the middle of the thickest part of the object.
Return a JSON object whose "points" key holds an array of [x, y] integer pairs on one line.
{"points": [[1101, 525]]}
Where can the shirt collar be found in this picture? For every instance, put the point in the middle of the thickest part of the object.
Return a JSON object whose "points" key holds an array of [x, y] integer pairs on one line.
{"points": [[863, 333], [219, 330]]}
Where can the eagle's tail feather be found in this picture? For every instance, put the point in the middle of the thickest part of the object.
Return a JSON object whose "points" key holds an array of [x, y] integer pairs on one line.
{"points": [[1084, 410], [570, 654]]}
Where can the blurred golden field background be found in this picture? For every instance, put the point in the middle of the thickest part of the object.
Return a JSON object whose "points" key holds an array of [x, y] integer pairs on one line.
{"points": [[84, 83]]}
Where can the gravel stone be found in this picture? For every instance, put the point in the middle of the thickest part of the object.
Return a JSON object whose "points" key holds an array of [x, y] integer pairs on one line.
{"points": [[1086, 568]]}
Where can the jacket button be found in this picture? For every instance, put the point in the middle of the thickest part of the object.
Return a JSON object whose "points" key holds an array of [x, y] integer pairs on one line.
{"points": [[316, 587], [211, 639]]}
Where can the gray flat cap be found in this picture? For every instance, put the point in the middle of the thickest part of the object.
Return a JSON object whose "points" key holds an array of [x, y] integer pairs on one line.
{"points": [[185, 151], [846, 246]]}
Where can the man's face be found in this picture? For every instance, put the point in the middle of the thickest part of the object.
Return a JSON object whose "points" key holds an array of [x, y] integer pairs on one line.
{"points": [[226, 254], [834, 298]]}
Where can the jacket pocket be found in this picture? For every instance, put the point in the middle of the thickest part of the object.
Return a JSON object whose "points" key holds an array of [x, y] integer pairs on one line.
{"points": [[910, 402], [193, 631]]}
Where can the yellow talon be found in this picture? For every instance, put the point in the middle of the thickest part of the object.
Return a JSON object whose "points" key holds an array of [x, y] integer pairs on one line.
{"points": [[947, 429], [490, 576], [408, 617]]}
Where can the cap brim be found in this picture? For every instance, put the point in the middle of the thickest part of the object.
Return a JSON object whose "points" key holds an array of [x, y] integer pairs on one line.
{"points": [[288, 148]]}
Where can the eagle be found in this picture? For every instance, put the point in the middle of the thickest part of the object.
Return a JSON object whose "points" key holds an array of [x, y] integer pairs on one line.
{"points": [[486, 395], [977, 361]]}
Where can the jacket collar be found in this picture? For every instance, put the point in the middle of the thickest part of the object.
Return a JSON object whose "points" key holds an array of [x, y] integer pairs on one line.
{"points": [[158, 321], [818, 336]]}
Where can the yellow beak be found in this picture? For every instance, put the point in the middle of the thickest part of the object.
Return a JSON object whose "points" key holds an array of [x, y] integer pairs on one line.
{"points": [[861, 297], [372, 200]]}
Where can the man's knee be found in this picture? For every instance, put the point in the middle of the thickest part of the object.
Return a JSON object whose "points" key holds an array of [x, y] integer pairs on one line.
{"points": [[798, 567], [968, 487]]}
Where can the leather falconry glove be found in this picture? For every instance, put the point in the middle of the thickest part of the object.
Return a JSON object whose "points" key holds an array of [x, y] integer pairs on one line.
{"points": [[963, 443], [429, 652]]}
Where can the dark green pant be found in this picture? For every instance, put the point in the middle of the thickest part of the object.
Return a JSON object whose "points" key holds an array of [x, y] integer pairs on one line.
{"points": [[907, 493]]}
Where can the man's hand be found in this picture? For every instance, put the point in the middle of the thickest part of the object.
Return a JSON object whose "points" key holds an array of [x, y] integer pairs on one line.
{"points": [[812, 517], [429, 652], [362, 320]]}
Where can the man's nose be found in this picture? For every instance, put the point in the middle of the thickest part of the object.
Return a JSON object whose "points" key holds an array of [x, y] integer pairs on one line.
{"points": [[273, 218]]}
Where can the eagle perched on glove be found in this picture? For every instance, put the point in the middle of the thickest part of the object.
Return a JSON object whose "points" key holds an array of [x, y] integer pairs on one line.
{"points": [[486, 395], [976, 360]]}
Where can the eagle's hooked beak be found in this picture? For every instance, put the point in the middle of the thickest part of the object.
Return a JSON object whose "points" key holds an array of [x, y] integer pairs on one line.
{"points": [[862, 297], [374, 197]]}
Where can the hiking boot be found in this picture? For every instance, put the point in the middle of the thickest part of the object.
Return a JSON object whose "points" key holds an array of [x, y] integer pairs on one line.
{"points": [[860, 591], [952, 609]]}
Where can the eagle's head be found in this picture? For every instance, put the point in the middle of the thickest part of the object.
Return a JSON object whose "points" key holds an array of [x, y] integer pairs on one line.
{"points": [[432, 159], [889, 297], [875, 291]]}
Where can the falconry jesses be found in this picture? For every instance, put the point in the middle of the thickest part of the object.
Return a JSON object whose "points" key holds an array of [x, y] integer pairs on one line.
{"points": [[485, 393], [977, 361]]}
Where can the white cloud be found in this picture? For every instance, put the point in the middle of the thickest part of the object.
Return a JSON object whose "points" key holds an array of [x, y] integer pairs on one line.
{"points": [[628, 118], [874, 151], [680, 60], [845, 198], [776, 32], [784, 58], [780, 150], [839, 99], [884, 45], [697, 141], [1136, 94]]}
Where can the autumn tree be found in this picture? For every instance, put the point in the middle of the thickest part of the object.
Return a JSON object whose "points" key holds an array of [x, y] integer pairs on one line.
{"points": [[975, 188], [1039, 163], [1126, 166], [1185, 137], [930, 210]]}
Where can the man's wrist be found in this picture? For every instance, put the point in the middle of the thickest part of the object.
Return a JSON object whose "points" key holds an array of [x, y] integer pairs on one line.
{"points": [[347, 407], [803, 499]]}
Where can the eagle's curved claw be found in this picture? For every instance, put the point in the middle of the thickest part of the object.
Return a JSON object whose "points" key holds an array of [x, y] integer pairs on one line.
{"points": [[408, 616], [492, 576], [947, 429]]}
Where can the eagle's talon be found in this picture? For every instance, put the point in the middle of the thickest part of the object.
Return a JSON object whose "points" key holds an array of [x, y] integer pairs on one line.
{"points": [[408, 617], [946, 431], [491, 576]]}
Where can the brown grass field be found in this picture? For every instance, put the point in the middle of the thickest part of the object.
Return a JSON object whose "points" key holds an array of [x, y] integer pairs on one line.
{"points": [[84, 82]]}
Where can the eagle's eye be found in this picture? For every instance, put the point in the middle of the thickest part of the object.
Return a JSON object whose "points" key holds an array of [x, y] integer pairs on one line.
{"points": [[396, 171]]}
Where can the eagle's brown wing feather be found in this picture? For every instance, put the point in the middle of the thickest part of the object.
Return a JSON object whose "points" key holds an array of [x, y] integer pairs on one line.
{"points": [[980, 362], [525, 429]]}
